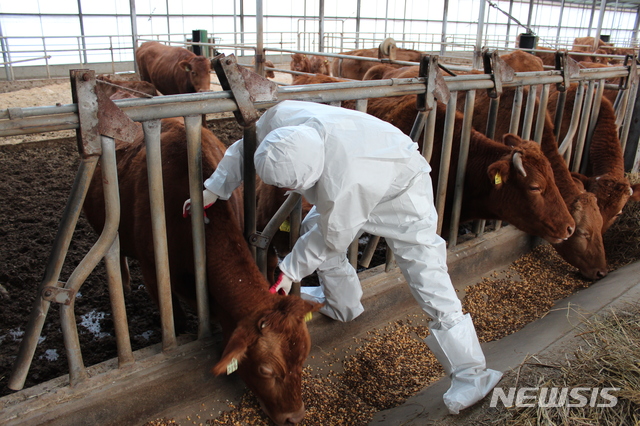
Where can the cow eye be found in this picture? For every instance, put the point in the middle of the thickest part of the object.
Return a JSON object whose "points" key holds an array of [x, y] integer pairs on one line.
{"points": [[266, 371], [262, 324], [534, 188]]}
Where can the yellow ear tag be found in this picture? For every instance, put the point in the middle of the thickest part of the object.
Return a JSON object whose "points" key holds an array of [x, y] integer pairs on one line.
{"points": [[232, 366], [286, 226], [307, 317], [497, 179]]}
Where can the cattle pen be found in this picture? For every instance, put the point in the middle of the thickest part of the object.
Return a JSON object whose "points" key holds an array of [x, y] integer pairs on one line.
{"points": [[87, 394], [191, 106]]}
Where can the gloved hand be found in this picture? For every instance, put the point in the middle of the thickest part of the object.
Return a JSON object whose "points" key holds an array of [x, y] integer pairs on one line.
{"points": [[282, 286], [208, 199]]}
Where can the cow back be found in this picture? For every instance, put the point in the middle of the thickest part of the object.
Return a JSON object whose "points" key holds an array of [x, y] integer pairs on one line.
{"points": [[355, 69], [173, 70]]}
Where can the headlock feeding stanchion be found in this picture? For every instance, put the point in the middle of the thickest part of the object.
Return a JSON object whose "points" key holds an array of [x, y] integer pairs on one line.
{"points": [[100, 122]]}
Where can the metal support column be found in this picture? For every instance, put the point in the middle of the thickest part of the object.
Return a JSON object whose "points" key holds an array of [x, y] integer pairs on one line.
{"points": [[443, 38], [560, 22], [321, 27], [477, 58], [134, 31], [603, 6], [82, 34]]}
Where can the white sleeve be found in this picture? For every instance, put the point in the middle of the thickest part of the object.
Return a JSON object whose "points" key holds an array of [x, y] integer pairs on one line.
{"points": [[308, 253], [229, 173]]}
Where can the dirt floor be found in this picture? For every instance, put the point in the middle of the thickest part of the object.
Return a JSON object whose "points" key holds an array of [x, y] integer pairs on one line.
{"points": [[36, 182]]}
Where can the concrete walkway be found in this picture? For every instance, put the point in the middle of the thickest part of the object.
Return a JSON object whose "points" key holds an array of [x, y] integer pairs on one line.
{"points": [[547, 336]]}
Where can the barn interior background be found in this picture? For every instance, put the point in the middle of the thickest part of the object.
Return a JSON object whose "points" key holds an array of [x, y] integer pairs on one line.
{"points": [[44, 40]]}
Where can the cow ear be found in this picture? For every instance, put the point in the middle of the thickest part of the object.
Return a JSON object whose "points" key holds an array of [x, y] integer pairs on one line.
{"points": [[635, 195], [498, 173], [509, 139], [185, 65], [234, 352]]}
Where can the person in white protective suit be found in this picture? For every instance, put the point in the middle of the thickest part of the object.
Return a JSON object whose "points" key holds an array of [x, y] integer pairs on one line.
{"points": [[362, 175]]}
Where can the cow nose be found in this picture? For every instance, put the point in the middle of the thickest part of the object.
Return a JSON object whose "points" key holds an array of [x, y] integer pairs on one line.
{"points": [[601, 274], [570, 231], [295, 417]]}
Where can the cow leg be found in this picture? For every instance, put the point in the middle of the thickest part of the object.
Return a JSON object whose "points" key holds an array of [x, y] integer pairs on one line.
{"points": [[151, 283]]}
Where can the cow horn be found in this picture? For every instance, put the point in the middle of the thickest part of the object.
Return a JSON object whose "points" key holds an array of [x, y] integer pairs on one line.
{"points": [[517, 161]]}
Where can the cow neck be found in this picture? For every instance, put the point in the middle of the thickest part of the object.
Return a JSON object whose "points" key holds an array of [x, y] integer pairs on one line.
{"points": [[606, 153], [562, 175], [233, 276]]}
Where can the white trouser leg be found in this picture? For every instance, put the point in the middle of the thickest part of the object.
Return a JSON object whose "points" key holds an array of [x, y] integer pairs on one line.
{"points": [[458, 350], [342, 289]]}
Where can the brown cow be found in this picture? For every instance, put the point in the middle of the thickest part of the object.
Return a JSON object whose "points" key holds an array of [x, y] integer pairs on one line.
{"points": [[522, 61], [588, 45], [314, 79], [548, 58], [386, 71], [173, 70], [605, 170], [356, 69], [513, 183], [310, 64], [138, 89], [267, 73], [264, 333], [585, 248]]}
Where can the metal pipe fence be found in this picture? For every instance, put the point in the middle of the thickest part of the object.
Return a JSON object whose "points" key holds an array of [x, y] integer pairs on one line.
{"points": [[150, 111]]}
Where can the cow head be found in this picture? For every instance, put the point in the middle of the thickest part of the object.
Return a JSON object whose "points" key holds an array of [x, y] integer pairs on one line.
{"points": [[197, 69], [268, 349], [585, 248], [523, 180], [300, 63], [612, 193]]}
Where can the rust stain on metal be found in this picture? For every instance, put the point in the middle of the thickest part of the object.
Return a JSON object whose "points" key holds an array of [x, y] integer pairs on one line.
{"points": [[113, 122]]}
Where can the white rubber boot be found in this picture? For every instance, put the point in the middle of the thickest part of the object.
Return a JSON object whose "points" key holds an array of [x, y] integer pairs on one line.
{"points": [[458, 350]]}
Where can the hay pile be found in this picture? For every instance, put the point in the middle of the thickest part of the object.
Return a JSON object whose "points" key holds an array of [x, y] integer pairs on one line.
{"points": [[609, 358], [504, 303]]}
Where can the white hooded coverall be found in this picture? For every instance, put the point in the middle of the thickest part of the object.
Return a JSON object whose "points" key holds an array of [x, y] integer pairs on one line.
{"points": [[363, 175]]}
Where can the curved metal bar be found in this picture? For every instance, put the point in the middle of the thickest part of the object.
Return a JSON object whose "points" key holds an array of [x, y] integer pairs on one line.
{"points": [[492, 118], [369, 251], [516, 110], [584, 124], [542, 113], [557, 120], [119, 312], [77, 371], [52, 273], [593, 121], [624, 133], [292, 201], [193, 125], [159, 227], [566, 146], [528, 113], [445, 159], [463, 157]]}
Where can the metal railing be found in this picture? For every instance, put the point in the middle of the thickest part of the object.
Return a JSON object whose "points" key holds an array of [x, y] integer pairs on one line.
{"points": [[17, 121]]}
